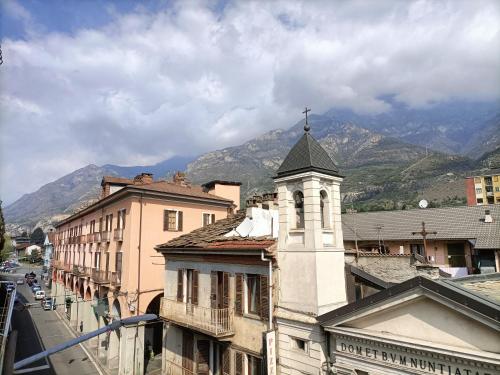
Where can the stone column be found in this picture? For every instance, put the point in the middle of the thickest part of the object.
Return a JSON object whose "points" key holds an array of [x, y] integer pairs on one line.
{"points": [[131, 351]]}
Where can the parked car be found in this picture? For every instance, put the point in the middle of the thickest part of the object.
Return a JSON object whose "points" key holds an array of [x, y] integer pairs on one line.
{"points": [[10, 287], [39, 294], [20, 281], [36, 288]]}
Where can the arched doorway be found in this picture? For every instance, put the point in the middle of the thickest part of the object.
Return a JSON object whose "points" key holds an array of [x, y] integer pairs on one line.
{"points": [[153, 334]]}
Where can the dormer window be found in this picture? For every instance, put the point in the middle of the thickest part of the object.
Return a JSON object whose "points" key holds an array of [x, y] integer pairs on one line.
{"points": [[298, 198], [325, 221]]}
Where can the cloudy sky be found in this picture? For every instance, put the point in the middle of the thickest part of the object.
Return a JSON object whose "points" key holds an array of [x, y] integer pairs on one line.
{"points": [[133, 83]]}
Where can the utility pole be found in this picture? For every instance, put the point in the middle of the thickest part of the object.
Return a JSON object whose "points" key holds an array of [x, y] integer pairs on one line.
{"points": [[424, 234]]}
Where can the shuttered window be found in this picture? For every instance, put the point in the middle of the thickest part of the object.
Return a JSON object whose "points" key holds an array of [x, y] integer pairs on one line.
{"points": [[264, 297], [202, 357], [180, 285], [253, 294], [172, 220], [254, 365], [238, 300], [194, 285], [208, 219], [238, 363], [226, 360]]}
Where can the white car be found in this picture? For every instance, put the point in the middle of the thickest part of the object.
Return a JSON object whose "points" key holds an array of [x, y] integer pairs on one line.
{"points": [[39, 294]]}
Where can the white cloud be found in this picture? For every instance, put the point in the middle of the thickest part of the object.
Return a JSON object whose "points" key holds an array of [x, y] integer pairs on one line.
{"points": [[187, 80]]}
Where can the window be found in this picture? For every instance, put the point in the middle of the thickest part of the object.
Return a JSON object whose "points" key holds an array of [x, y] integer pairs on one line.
{"points": [[456, 255], [253, 294], [120, 222], [479, 190], [479, 200], [254, 365], [190, 293], [92, 226], [477, 179], [298, 344], [208, 219], [298, 199], [497, 189], [109, 223], [417, 249], [325, 222], [172, 220]]}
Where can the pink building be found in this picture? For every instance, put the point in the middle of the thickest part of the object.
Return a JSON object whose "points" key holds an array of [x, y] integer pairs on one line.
{"points": [[105, 266]]}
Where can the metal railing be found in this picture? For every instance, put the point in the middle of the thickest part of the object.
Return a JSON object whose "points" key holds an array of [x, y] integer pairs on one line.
{"points": [[215, 322], [118, 235], [99, 276], [97, 237], [80, 271]]}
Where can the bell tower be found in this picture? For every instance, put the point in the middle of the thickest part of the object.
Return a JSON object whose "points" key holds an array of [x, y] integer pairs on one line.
{"points": [[310, 245]]}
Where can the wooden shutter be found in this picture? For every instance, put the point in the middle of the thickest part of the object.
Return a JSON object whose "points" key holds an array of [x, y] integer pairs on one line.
{"points": [[165, 220], [179, 220], [187, 352], [238, 301], [226, 361], [213, 289], [202, 355], [213, 219], [238, 363], [225, 297], [180, 285], [194, 284], [264, 297]]}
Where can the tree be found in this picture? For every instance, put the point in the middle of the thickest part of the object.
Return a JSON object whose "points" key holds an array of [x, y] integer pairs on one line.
{"points": [[2, 228], [37, 237]]}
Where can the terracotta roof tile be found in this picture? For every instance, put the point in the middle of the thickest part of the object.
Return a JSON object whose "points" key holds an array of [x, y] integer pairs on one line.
{"points": [[212, 237], [170, 187], [117, 180]]}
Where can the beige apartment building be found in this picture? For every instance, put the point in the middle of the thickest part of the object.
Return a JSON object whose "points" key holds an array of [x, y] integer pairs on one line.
{"points": [[105, 266]]}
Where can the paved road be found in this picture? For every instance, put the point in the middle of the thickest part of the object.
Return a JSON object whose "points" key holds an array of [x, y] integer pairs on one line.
{"points": [[39, 329]]}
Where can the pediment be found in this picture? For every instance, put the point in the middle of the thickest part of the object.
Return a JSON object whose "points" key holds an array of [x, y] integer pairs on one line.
{"points": [[422, 318]]}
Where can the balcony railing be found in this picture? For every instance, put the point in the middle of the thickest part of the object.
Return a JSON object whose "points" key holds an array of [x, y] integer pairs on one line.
{"points": [[105, 236], [116, 278], [81, 271], [90, 237], [97, 236], [118, 236], [83, 239], [67, 267], [214, 322], [99, 276]]}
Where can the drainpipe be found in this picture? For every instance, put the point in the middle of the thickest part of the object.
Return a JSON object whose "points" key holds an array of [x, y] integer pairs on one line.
{"points": [[270, 278], [138, 283]]}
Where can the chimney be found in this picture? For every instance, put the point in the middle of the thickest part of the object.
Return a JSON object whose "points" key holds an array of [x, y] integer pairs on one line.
{"points": [[269, 201], [252, 203], [180, 179], [487, 216], [143, 178]]}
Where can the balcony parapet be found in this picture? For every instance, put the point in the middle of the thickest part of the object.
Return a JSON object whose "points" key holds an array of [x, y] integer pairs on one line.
{"points": [[214, 322], [173, 368], [118, 234], [105, 236], [99, 276]]}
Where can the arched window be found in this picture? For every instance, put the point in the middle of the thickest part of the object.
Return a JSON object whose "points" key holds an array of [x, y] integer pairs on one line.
{"points": [[325, 222], [298, 198]]}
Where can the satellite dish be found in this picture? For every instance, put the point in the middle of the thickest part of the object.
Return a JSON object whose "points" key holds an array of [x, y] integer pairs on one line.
{"points": [[423, 203]]}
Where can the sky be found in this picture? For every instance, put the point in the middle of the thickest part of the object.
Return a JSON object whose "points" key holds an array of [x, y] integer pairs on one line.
{"points": [[137, 82]]}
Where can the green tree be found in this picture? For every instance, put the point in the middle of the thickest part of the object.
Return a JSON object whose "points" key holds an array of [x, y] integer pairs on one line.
{"points": [[37, 237]]}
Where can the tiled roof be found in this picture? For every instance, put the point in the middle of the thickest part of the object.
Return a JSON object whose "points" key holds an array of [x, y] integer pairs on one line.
{"points": [[307, 155], [465, 222], [485, 286], [117, 180], [212, 237], [172, 188]]}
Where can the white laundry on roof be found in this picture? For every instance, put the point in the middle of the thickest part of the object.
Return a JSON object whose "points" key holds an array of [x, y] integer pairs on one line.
{"points": [[258, 223]]}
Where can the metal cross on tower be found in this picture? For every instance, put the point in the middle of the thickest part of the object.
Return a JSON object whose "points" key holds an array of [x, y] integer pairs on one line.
{"points": [[424, 234], [306, 126]]}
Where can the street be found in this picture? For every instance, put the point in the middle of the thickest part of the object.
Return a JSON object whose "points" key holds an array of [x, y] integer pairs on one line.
{"points": [[39, 329]]}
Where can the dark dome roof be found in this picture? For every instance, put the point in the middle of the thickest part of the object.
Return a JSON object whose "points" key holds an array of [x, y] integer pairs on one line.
{"points": [[307, 155]]}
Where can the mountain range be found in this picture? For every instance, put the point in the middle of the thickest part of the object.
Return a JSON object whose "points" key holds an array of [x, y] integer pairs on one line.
{"points": [[390, 160]]}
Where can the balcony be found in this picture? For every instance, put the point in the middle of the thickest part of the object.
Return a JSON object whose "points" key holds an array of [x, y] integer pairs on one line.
{"points": [[99, 276], [83, 239], [105, 236], [118, 235], [67, 267], [57, 264], [214, 322], [176, 369], [80, 271], [97, 237], [90, 237], [116, 278]]}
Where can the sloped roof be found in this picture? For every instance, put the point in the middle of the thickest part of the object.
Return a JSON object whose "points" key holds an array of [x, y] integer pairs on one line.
{"points": [[448, 290], [212, 237], [173, 188], [307, 155], [486, 286], [116, 180], [464, 222]]}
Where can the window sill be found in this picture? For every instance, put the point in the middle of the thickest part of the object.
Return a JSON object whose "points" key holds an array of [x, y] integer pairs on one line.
{"points": [[301, 230], [252, 316]]}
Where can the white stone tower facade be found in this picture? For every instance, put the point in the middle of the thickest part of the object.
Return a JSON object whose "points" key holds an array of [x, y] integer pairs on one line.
{"points": [[310, 254]]}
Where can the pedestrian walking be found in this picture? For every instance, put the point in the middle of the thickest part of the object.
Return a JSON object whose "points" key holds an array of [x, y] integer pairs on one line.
{"points": [[81, 326]]}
